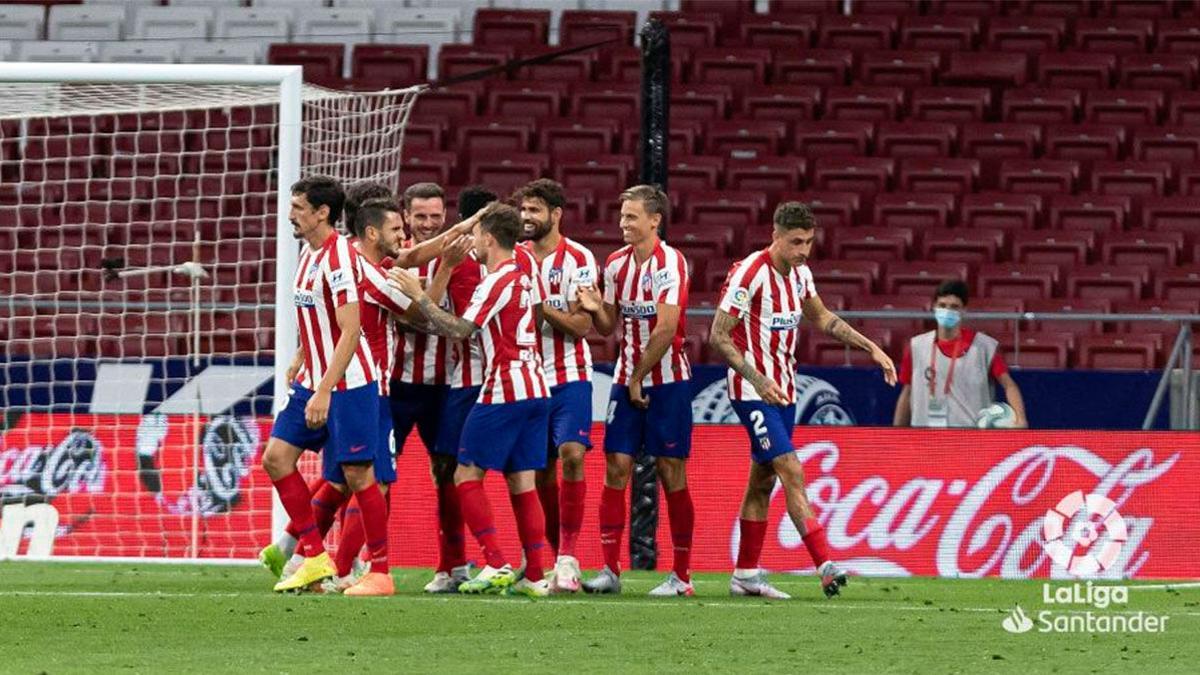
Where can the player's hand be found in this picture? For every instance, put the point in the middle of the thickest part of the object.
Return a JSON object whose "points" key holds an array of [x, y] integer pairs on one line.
{"points": [[464, 227], [456, 251], [771, 393], [885, 364], [590, 300], [406, 282], [636, 397], [316, 413]]}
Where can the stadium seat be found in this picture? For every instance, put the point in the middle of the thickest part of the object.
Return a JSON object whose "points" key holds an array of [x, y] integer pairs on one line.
{"points": [[993, 326], [173, 23], [897, 7], [450, 103], [694, 173], [579, 27], [625, 64], [986, 69], [56, 51], [603, 173], [719, 208], [867, 175], [607, 101], [139, 51], [1123, 352], [1154, 9], [1158, 71], [781, 102], [860, 33], [1068, 8], [486, 135], [1177, 284], [1068, 306], [1034, 105], [427, 167], [1000, 141], [833, 210], [821, 67], [429, 26], [899, 68], [1131, 178], [918, 210], [1052, 248], [778, 31], [827, 138], [733, 66], [903, 328], [351, 24], [1113, 36], [940, 33], [701, 102], [1178, 36], [218, 52], [85, 22], [824, 350], [567, 137], [505, 174], [1044, 350], [690, 29], [853, 278], [751, 138], [883, 244], [1017, 281], [1154, 306], [1123, 106], [1158, 250], [950, 104], [511, 26], [572, 68], [21, 22], [1183, 108], [685, 137], [772, 175], [864, 103], [1076, 70], [916, 139], [456, 59], [1091, 212], [1085, 142], [526, 100], [976, 246], [1043, 176], [1025, 33], [320, 61], [1172, 214], [1000, 210], [1111, 282], [398, 65], [952, 176], [1169, 144]]}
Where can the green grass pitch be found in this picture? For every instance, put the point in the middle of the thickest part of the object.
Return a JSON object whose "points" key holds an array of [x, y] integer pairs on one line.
{"points": [[79, 617]]}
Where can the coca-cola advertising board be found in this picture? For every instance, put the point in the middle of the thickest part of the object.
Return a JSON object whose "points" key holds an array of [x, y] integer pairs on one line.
{"points": [[955, 503]]}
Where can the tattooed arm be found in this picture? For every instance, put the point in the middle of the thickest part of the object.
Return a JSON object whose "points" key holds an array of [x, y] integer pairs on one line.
{"points": [[440, 321], [832, 325], [721, 340]]}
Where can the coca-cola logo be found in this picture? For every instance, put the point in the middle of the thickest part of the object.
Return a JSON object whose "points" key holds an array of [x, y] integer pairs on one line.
{"points": [[988, 526], [75, 464]]}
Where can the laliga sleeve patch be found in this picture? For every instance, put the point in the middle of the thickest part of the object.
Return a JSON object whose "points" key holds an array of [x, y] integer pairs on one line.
{"points": [[740, 299]]}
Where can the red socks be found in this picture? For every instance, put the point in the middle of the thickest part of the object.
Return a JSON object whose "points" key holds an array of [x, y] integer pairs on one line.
{"points": [[548, 495], [478, 515], [815, 541], [751, 543], [296, 499], [612, 526], [683, 518], [374, 519], [452, 545], [325, 504], [353, 538], [313, 488], [531, 527], [572, 498]]}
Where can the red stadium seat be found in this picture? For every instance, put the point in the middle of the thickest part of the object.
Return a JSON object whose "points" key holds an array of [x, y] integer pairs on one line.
{"points": [[580, 27], [511, 26], [1178, 36], [899, 68], [1052, 248], [952, 176], [940, 33], [916, 139], [1068, 8], [615, 100], [833, 210], [524, 100], [867, 175], [320, 61], [1158, 71], [572, 137], [1023, 281], [1113, 36], [701, 102], [427, 167], [884, 244], [1025, 33], [507, 174], [950, 104], [1043, 176], [602, 173], [1168, 144], [860, 33], [1177, 284], [824, 350], [1000, 141], [460, 59], [821, 67], [853, 278], [745, 137], [1049, 350], [488, 136], [397, 65], [1085, 142], [684, 137], [572, 68], [625, 64], [967, 7], [1111, 282], [1123, 106], [919, 210], [1076, 70], [1124, 352], [1069, 306], [1000, 210], [736, 210], [826, 138], [1155, 306], [1091, 212], [771, 175], [781, 102], [1184, 108], [691, 29], [1159, 250], [907, 302], [738, 67], [993, 326], [1172, 214], [975, 246], [694, 172], [425, 135], [1154, 9], [986, 69], [886, 7], [778, 31], [1040, 106], [452, 103], [1131, 178], [864, 103]]}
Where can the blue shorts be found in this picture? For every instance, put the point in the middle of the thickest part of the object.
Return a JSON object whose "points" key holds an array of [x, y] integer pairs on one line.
{"points": [[385, 463], [570, 415], [663, 430], [418, 405], [770, 428], [459, 401], [507, 437], [351, 434]]}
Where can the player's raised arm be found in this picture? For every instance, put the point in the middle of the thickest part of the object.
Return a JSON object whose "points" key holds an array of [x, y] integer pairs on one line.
{"points": [[431, 248], [441, 322], [832, 325]]}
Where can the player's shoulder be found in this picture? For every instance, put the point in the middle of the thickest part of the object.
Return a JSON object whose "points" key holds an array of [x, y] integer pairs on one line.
{"points": [[668, 256], [578, 253], [619, 256]]}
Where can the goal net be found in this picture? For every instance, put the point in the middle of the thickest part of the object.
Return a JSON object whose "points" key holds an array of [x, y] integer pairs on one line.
{"points": [[137, 390]]}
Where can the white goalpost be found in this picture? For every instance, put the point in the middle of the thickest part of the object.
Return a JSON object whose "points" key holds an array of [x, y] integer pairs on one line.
{"points": [[143, 229]]}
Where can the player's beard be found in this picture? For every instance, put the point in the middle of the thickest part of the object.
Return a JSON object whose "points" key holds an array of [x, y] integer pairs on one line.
{"points": [[533, 230]]}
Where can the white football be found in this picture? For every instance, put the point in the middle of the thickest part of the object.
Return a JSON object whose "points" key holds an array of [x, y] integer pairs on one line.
{"points": [[997, 416]]}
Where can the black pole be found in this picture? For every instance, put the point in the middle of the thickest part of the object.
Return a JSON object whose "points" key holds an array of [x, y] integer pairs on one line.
{"points": [[653, 150]]}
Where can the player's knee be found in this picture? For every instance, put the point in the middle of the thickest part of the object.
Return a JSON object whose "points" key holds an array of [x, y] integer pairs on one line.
{"points": [[616, 473], [358, 476], [274, 462], [673, 473]]}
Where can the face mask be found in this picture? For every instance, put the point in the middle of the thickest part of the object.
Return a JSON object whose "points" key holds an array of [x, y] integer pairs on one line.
{"points": [[946, 318]]}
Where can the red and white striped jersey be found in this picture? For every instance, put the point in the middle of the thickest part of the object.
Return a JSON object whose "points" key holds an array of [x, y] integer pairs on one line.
{"points": [[503, 308], [379, 302], [466, 356], [422, 358], [562, 273], [770, 306], [327, 279], [636, 290]]}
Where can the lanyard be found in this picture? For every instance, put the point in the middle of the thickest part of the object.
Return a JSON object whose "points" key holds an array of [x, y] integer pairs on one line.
{"points": [[933, 367]]}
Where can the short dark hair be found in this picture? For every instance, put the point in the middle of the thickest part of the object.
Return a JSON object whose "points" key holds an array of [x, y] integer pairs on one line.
{"points": [[794, 215], [549, 191], [322, 191], [955, 287], [502, 222], [372, 213], [359, 194], [653, 199], [423, 191], [472, 199]]}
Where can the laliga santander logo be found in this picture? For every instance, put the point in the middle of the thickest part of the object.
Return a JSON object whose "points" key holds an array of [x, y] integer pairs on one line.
{"points": [[1090, 511]]}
